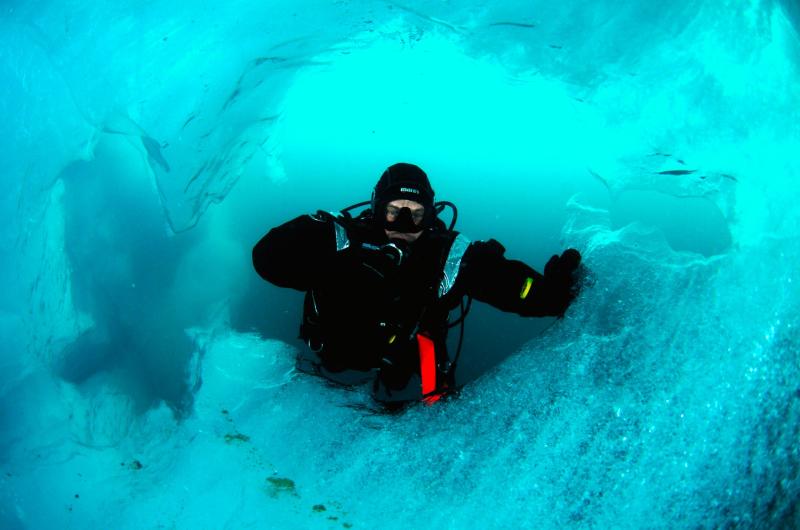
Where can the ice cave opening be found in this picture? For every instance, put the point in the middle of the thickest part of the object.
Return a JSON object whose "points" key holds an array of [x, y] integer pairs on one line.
{"points": [[147, 373]]}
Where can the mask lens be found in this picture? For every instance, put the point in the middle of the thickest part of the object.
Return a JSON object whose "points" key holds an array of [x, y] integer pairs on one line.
{"points": [[393, 212]]}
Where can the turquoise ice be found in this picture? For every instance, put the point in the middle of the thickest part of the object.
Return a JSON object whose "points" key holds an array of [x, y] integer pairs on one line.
{"points": [[146, 372]]}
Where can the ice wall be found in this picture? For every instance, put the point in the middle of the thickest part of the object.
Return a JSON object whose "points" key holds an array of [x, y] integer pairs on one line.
{"points": [[143, 152]]}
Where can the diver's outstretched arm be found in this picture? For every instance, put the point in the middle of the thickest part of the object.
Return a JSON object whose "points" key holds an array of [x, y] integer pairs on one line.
{"points": [[513, 286]]}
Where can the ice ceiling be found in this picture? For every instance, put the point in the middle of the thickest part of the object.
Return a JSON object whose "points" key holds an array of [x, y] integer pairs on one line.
{"points": [[147, 375]]}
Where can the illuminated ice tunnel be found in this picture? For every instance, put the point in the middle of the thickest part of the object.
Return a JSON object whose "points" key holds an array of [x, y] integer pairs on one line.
{"points": [[148, 373]]}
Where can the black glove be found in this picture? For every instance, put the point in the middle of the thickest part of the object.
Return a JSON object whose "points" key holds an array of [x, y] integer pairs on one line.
{"points": [[561, 279]]}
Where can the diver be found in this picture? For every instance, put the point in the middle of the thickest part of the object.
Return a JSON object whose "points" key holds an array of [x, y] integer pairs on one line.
{"points": [[381, 287]]}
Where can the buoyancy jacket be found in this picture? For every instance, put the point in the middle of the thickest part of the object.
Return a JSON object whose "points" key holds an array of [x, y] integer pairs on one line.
{"points": [[378, 304]]}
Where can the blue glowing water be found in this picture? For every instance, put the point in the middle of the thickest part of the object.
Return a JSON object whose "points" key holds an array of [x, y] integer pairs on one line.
{"points": [[146, 372]]}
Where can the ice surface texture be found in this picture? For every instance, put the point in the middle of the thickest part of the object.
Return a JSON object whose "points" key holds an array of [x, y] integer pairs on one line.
{"points": [[142, 156]]}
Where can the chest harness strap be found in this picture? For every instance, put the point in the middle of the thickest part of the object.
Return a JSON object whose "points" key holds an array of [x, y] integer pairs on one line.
{"points": [[433, 390]]}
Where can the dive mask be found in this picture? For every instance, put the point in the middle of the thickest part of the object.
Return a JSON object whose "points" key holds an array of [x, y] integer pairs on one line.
{"points": [[403, 220]]}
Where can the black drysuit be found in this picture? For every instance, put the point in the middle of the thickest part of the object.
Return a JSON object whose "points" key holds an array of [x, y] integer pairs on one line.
{"points": [[375, 304]]}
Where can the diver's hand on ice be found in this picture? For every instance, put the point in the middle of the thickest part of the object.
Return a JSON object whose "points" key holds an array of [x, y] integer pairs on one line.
{"points": [[561, 275], [563, 265]]}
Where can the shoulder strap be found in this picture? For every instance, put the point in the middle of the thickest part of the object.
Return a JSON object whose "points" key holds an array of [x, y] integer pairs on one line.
{"points": [[340, 224], [452, 264]]}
